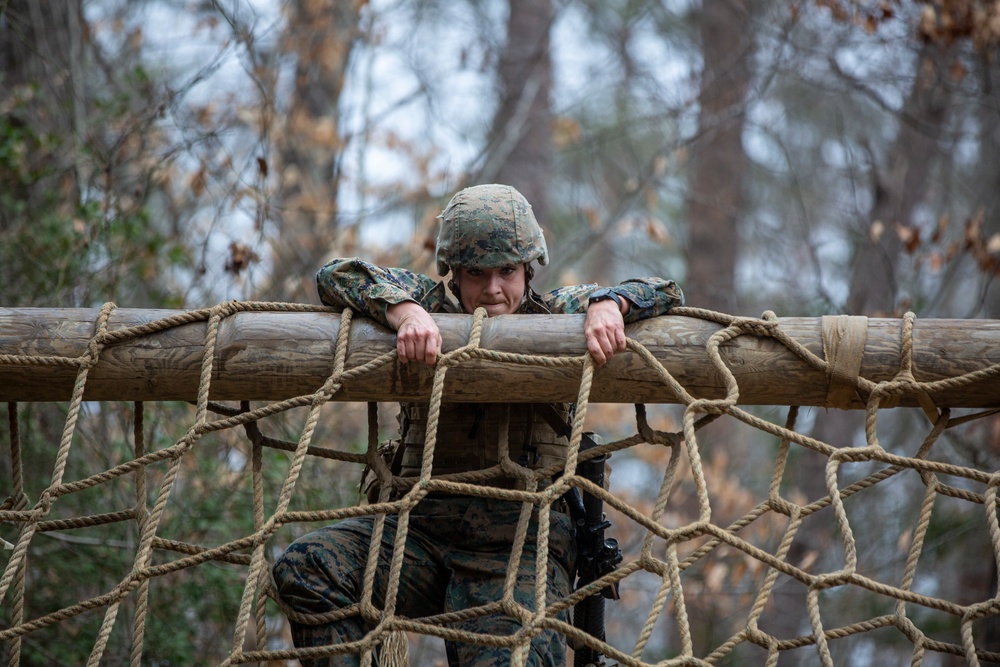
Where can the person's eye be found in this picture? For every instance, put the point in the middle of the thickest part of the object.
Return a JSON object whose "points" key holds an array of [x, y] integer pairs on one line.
{"points": [[507, 270], [475, 272]]}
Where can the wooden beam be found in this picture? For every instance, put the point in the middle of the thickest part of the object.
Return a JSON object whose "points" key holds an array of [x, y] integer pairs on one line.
{"points": [[276, 355]]}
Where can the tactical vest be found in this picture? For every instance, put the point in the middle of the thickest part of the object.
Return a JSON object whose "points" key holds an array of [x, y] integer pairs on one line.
{"points": [[468, 437]]}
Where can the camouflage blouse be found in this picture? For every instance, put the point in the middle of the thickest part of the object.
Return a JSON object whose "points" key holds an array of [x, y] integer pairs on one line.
{"points": [[369, 290]]}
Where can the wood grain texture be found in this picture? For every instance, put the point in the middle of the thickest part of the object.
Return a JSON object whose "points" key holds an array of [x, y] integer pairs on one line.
{"points": [[273, 356]]}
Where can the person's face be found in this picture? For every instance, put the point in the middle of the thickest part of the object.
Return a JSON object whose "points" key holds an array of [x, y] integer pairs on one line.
{"points": [[499, 290]]}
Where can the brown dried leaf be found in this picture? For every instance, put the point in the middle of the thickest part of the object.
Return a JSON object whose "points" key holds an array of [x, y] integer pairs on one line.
{"points": [[940, 229], [904, 540], [935, 262], [928, 27], [566, 132], [650, 198], [973, 231], [839, 12], [739, 570], [240, 257], [958, 70], [660, 166], [657, 231], [206, 115], [993, 244], [876, 231], [681, 156], [910, 237], [135, 39], [199, 181], [715, 576]]}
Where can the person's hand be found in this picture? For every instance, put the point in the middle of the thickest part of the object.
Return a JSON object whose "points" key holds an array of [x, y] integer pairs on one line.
{"points": [[417, 334], [604, 329]]}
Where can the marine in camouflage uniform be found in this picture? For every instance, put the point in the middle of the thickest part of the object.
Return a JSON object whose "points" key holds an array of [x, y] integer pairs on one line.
{"points": [[458, 548]]}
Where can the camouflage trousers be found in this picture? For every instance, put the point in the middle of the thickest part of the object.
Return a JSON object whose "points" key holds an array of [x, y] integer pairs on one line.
{"points": [[456, 557]]}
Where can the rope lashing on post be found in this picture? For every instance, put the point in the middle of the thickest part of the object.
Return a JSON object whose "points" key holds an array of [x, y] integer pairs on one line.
{"points": [[844, 340]]}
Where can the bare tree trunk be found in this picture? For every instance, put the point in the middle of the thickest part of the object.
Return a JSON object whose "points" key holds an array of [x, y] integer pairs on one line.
{"points": [[321, 34], [719, 165], [989, 187], [989, 165], [35, 36], [714, 204], [873, 292], [900, 189], [41, 46], [521, 137]]}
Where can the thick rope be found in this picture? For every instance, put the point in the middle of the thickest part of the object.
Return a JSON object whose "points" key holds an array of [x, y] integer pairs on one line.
{"points": [[659, 555], [17, 500]]}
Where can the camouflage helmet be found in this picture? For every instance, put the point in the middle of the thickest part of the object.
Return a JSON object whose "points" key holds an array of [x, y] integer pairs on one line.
{"points": [[488, 226]]}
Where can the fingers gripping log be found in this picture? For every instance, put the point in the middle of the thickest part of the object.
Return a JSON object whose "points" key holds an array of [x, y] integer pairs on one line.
{"points": [[263, 355]]}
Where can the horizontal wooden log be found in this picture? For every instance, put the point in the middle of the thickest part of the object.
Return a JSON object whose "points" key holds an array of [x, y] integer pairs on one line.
{"points": [[276, 355]]}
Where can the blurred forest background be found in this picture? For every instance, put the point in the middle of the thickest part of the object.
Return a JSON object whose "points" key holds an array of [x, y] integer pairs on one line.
{"points": [[809, 157]]}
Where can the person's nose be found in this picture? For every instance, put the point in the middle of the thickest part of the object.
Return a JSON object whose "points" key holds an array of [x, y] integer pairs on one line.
{"points": [[493, 284]]}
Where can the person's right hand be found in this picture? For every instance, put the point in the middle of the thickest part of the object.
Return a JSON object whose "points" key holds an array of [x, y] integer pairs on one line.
{"points": [[417, 334]]}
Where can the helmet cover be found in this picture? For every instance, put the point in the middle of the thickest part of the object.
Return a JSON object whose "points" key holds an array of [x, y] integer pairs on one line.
{"points": [[488, 226]]}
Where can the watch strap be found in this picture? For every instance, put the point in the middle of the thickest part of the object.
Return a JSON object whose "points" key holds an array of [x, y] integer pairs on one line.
{"points": [[603, 294]]}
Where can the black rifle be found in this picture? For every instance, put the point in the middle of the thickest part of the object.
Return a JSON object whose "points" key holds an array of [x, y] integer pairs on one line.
{"points": [[596, 555]]}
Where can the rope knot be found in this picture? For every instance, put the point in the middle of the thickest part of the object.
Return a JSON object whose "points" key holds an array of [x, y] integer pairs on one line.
{"points": [[754, 326]]}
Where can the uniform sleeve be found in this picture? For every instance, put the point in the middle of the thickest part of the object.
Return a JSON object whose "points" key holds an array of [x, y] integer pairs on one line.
{"points": [[649, 297], [368, 289]]}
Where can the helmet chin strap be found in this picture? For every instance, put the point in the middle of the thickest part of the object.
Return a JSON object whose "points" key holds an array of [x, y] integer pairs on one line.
{"points": [[529, 273], [453, 286]]}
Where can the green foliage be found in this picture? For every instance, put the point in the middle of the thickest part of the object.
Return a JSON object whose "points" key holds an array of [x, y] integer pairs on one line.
{"points": [[64, 244]]}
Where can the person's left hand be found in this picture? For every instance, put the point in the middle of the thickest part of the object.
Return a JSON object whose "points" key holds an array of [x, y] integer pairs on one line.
{"points": [[604, 329]]}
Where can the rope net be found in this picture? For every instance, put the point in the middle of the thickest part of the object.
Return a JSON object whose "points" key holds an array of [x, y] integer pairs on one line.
{"points": [[724, 560]]}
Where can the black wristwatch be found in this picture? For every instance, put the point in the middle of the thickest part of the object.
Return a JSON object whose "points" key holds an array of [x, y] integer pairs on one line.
{"points": [[603, 294]]}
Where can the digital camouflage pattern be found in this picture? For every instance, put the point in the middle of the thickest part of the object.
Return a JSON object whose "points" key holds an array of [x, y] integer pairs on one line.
{"points": [[458, 548], [489, 226], [369, 290], [457, 554]]}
